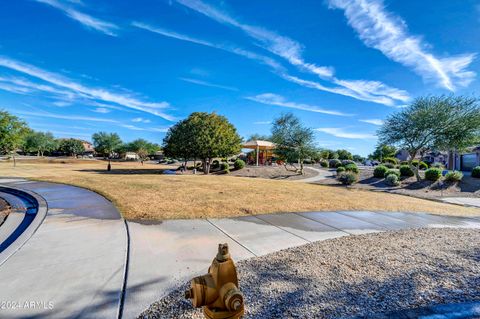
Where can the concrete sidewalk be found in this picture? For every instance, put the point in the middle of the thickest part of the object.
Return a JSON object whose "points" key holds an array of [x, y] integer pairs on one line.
{"points": [[167, 254], [73, 265], [468, 201]]}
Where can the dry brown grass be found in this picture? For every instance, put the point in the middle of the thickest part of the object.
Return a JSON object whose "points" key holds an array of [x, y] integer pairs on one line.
{"points": [[142, 192]]}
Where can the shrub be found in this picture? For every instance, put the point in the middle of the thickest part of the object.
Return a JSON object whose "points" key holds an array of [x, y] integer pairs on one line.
{"points": [[215, 164], [454, 176], [438, 165], [422, 165], [340, 169], [391, 160], [389, 165], [404, 163], [347, 178], [406, 171], [379, 171], [392, 172], [225, 167], [334, 163], [433, 174], [351, 168], [392, 180], [476, 172], [239, 164], [415, 163], [323, 163], [347, 162]]}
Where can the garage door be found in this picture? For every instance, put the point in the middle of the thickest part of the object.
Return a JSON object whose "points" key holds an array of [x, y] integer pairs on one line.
{"points": [[468, 161]]}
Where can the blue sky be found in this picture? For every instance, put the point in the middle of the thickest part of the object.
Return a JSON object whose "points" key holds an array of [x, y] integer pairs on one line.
{"points": [[75, 67]]}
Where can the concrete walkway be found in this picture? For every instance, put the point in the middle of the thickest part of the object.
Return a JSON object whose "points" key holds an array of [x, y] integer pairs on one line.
{"points": [[468, 201], [76, 259], [73, 265], [321, 174]]}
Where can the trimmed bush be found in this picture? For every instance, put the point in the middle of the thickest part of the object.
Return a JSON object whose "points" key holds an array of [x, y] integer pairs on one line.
{"points": [[389, 165], [379, 171], [453, 177], [323, 163], [392, 172], [215, 164], [406, 171], [422, 165], [392, 180], [391, 160], [351, 168], [437, 165], [347, 162], [348, 178], [225, 167], [334, 163], [404, 163], [239, 164], [340, 169], [433, 174], [476, 172]]}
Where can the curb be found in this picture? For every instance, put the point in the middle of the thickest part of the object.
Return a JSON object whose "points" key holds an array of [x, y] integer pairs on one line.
{"points": [[42, 209]]}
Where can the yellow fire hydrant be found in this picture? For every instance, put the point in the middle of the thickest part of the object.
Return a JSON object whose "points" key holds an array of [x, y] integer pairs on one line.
{"points": [[217, 292]]}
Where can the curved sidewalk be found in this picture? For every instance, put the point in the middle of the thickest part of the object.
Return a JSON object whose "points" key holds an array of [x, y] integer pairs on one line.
{"points": [[321, 174], [73, 265]]}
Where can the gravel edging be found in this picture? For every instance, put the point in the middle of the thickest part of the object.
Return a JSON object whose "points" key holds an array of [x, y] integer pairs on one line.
{"points": [[353, 276]]}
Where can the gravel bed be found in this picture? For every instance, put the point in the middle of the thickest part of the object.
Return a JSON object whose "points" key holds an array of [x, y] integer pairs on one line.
{"points": [[353, 276]]}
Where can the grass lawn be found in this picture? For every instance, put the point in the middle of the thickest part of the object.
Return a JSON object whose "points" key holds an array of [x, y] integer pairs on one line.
{"points": [[141, 192]]}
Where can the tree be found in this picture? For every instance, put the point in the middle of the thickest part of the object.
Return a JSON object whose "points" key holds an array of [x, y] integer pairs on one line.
{"points": [[358, 158], [259, 137], [106, 143], [294, 142], [382, 151], [434, 123], [209, 135], [12, 133], [40, 142], [142, 147], [344, 155], [71, 146], [178, 142]]}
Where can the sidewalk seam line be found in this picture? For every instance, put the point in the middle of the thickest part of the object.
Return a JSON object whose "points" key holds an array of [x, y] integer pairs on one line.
{"points": [[308, 241], [342, 230], [226, 234]]}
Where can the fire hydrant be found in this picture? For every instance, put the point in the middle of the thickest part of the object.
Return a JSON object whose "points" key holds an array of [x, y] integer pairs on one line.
{"points": [[217, 292]]}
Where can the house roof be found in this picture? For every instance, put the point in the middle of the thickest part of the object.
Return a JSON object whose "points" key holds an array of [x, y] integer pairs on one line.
{"points": [[263, 145]]}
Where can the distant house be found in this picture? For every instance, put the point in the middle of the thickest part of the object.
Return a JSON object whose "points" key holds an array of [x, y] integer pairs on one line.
{"points": [[465, 161], [402, 155], [132, 156], [89, 149], [435, 157]]}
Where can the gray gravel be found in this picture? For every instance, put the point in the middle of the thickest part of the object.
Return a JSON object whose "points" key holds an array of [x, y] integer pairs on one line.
{"points": [[353, 276]]}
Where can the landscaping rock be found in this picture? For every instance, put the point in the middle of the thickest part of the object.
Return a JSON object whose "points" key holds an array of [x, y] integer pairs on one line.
{"points": [[353, 276]]}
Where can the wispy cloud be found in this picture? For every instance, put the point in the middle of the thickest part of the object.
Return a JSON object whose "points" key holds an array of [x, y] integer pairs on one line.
{"points": [[282, 46], [382, 30], [102, 110], [278, 100], [205, 83], [263, 123], [85, 19], [79, 90], [67, 117], [373, 121], [340, 132], [140, 120], [225, 47], [291, 50]]}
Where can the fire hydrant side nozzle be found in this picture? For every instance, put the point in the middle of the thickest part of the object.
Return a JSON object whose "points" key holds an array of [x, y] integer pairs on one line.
{"points": [[218, 292]]}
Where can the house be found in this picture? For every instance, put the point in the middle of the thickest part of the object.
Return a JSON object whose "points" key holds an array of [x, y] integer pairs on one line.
{"points": [[464, 161], [132, 156], [88, 147], [435, 157]]}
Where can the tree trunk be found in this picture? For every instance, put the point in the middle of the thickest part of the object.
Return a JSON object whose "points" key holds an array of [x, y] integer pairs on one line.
{"points": [[414, 169], [14, 161], [302, 171], [206, 166]]}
